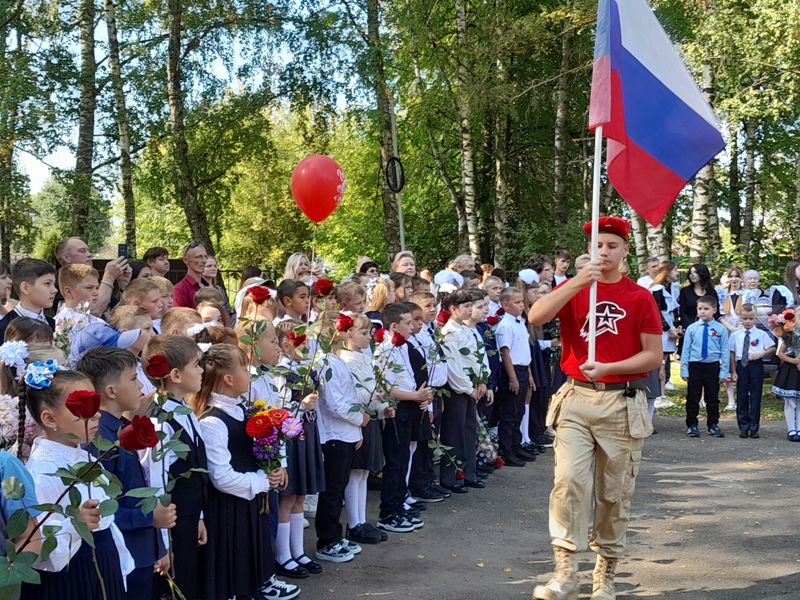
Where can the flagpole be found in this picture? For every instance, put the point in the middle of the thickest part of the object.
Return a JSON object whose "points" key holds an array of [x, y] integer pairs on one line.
{"points": [[598, 159]]}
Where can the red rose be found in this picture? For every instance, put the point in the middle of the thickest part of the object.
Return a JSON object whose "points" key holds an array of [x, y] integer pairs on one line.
{"points": [[500, 311], [297, 340], [788, 314], [157, 366], [499, 462], [443, 317], [323, 287], [259, 294], [398, 340], [379, 335], [344, 322], [460, 475], [138, 434], [83, 403], [492, 321]]}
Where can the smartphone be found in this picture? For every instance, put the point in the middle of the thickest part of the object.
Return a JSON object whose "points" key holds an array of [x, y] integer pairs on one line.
{"points": [[319, 261], [122, 250]]}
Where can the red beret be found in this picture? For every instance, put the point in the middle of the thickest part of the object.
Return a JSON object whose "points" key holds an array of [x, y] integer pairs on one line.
{"points": [[616, 225]]}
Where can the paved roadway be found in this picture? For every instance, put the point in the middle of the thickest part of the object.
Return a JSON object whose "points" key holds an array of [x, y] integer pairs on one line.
{"points": [[713, 519]]}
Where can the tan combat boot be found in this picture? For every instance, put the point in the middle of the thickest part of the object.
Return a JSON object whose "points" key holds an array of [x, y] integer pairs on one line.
{"points": [[603, 578], [564, 584]]}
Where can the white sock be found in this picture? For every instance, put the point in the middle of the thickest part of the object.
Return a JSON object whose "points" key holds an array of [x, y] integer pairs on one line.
{"points": [[362, 498], [296, 535], [351, 498], [651, 407], [523, 427], [412, 447], [282, 550]]}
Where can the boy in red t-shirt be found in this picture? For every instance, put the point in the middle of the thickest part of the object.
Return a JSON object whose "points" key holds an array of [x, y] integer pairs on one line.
{"points": [[600, 413]]}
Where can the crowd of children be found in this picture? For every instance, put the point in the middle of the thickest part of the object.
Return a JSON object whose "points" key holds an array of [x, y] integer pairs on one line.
{"points": [[423, 386]]}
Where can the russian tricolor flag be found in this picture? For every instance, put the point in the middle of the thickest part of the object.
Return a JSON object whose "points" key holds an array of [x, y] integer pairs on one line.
{"points": [[660, 130]]}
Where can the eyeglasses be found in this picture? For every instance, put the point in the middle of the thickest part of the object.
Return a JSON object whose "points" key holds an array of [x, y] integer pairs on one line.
{"points": [[190, 246]]}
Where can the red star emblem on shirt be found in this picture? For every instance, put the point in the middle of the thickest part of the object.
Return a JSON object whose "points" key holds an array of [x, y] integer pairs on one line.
{"points": [[608, 313]]}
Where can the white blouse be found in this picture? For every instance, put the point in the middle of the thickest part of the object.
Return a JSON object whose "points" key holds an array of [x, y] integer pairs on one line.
{"points": [[215, 436], [456, 337], [363, 376], [46, 457]]}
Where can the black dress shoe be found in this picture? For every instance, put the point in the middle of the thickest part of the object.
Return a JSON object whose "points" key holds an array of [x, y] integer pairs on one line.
{"points": [[457, 489], [513, 461], [476, 484], [754, 435], [523, 456], [299, 572], [742, 434], [527, 452], [311, 566]]}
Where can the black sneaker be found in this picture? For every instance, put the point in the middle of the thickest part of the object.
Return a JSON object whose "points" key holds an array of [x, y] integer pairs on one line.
{"points": [[442, 490], [415, 521], [428, 494], [363, 535], [743, 434], [371, 527], [397, 523], [276, 589], [754, 435], [334, 553]]}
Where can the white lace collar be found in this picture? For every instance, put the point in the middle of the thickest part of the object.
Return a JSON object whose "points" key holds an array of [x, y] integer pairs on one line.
{"points": [[230, 406], [57, 453]]}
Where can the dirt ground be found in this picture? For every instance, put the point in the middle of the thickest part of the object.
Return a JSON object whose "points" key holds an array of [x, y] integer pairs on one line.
{"points": [[713, 519]]}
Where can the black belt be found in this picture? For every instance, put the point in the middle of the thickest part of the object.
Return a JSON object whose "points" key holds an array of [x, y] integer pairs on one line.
{"points": [[636, 384]]}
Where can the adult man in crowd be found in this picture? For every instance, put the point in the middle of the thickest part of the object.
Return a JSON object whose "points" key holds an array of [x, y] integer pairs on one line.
{"points": [[600, 413], [463, 262], [194, 257], [73, 250], [651, 266]]}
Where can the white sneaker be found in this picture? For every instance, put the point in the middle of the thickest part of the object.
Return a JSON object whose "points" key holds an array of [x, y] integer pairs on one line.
{"points": [[279, 590], [306, 524], [670, 386], [663, 402], [310, 505], [730, 407]]}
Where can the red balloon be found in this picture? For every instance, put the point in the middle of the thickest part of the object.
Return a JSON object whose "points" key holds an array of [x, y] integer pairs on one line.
{"points": [[318, 185]]}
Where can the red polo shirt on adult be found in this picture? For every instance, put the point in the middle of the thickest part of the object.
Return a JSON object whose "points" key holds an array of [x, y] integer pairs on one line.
{"points": [[184, 291]]}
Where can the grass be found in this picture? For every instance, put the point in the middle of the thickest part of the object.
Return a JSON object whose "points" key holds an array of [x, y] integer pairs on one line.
{"points": [[771, 405]]}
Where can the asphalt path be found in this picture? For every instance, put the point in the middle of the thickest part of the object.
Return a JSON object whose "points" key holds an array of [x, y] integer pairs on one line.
{"points": [[712, 519]]}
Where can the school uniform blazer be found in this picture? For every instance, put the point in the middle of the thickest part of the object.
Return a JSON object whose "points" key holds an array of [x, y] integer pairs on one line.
{"points": [[5, 321], [137, 528]]}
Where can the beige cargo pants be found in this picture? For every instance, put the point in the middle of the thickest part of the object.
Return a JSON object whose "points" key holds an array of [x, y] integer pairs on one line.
{"points": [[599, 438]]}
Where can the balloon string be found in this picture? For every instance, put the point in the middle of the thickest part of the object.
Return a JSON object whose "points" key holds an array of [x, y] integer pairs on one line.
{"points": [[313, 261]]}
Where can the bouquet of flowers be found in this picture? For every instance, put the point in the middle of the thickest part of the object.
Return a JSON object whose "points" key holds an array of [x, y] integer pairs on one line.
{"points": [[270, 427], [785, 326]]}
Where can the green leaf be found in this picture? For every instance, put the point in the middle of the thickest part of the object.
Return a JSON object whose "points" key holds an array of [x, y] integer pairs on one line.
{"points": [[464, 351], [13, 489], [74, 497], [355, 408], [257, 351], [142, 492], [112, 490], [49, 507], [17, 523], [182, 410], [83, 531], [26, 572], [48, 546], [328, 374], [11, 549], [148, 505], [246, 340], [102, 444], [165, 499], [108, 507]]}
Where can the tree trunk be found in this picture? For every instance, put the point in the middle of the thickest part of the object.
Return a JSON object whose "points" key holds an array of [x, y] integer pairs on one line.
{"points": [[640, 241], [465, 129], [561, 212], [733, 187], [84, 152], [391, 223], [184, 183], [500, 190], [796, 234], [8, 122], [656, 242], [698, 245], [746, 234], [126, 167]]}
